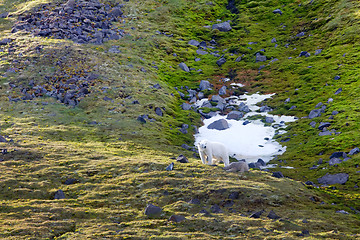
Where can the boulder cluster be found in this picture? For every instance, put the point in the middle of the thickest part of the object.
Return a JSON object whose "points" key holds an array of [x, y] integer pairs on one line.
{"points": [[79, 21]]}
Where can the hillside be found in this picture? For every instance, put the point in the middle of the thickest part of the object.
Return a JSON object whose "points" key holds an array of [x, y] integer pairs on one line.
{"points": [[97, 100]]}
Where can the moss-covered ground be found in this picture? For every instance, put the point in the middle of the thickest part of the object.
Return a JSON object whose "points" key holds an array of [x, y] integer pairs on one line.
{"points": [[119, 162]]}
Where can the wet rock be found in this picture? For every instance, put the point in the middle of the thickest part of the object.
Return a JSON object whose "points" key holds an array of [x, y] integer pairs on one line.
{"points": [[222, 27], [278, 175], [204, 85], [184, 67], [176, 218], [273, 215], [277, 11], [59, 194], [182, 159], [354, 151], [152, 210], [216, 209], [236, 115], [221, 61], [220, 124], [330, 179]]}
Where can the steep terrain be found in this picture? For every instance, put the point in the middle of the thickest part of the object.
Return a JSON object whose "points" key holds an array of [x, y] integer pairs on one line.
{"points": [[93, 110]]}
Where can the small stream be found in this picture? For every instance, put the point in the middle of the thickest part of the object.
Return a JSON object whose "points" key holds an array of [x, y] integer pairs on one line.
{"points": [[248, 139]]}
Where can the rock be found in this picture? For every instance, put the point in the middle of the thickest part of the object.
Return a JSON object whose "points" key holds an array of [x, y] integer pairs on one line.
{"points": [[194, 43], [304, 54], [269, 120], [342, 212], [265, 109], [5, 41], [309, 183], [220, 124], [59, 194], [2, 139], [338, 155], [312, 124], [246, 122], [4, 15], [301, 34], [338, 91], [278, 175], [238, 59], [272, 215], [277, 11], [184, 67], [182, 159], [222, 27], [260, 58], [170, 167], [273, 40], [197, 59], [176, 218], [243, 108], [236, 115], [216, 209], [324, 125], [206, 213], [201, 52], [217, 99], [204, 85], [141, 119], [222, 90], [221, 61], [70, 181], [330, 179], [261, 162], [337, 77], [194, 201], [318, 51], [185, 106], [152, 210], [257, 214], [159, 112], [334, 161], [315, 113], [354, 151], [325, 133]]}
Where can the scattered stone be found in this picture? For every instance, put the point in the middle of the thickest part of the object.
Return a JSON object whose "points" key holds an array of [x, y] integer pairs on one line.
{"points": [[354, 151], [272, 215], [273, 40], [277, 11], [334, 161], [236, 115], [238, 59], [318, 51], [176, 218], [184, 67], [315, 113], [222, 27], [312, 124], [338, 155], [4, 15], [337, 77], [324, 125], [204, 85], [265, 109], [159, 112], [216, 209], [222, 90], [70, 181], [301, 34], [152, 210], [59, 194], [141, 119], [221, 61], [185, 106], [304, 54], [170, 167], [278, 175], [330, 179], [269, 119], [182, 159], [338, 91], [257, 214], [220, 124], [260, 58], [194, 43]]}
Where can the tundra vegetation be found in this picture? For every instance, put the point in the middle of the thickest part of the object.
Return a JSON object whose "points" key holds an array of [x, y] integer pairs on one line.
{"points": [[89, 122]]}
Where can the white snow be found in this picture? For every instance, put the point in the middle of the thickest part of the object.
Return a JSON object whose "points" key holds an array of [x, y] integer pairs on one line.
{"points": [[251, 141]]}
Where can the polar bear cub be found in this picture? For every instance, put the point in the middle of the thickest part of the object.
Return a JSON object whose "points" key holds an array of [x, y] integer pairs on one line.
{"points": [[237, 167], [209, 150]]}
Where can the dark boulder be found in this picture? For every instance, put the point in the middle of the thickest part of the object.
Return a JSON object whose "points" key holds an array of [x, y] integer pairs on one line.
{"points": [[182, 159], [152, 210], [222, 27], [304, 54], [278, 175], [354, 151], [315, 113], [184, 67], [176, 218], [324, 125], [221, 61], [204, 84], [338, 155], [159, 112], [338, 91], [273, 215], [216, 209], [59, 194], [236, 115], [257, 214], [330, 179]]}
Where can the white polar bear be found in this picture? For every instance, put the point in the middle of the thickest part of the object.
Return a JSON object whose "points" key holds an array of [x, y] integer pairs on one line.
{"points": [[209, 150]]}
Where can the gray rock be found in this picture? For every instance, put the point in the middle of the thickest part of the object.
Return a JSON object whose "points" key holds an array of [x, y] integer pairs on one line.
{"points": [[236, 115], [204, 85], [184, 67], [338, 155], [159, 112], [197, 59], [273, 215], [221, 61], [222, 27], [277, 11], [354, 151], [265, 109], [330, 179], [217, 99], [194, 43], [220, 124], [4, 15], [260, 58], [5, 41], [59, 194], [324, 125], [141, 119], [201, 52], [325, 133], [115, 12], [182, 159], [334, 161], [312, 124], [152, 210], [216, 209], [334, 113], [176, 218], [200, 95], [301, 34], [337, 77], [257, 214], [338, 91], [71, 181], [319, 105], [318, 51], [269, 120], [278, 175], [315, 113], [304, 54], [185, 106], [273, 40], [2, 139], [222, 90], [170, 167]]}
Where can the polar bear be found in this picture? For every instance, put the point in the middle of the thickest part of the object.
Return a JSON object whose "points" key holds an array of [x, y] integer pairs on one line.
{"points": [[237, 167], [209, 150]]}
